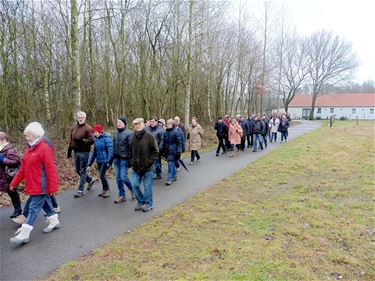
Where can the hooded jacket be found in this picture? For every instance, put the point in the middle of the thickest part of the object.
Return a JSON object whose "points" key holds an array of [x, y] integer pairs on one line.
{"points": [[11, 159]]}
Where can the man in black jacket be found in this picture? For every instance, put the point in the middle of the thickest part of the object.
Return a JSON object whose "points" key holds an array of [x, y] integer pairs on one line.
{"points": [[121, 158], [144, 153], [258, 128], [221, 133]]}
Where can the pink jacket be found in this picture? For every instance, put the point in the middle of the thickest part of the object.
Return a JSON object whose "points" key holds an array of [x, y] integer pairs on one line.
{"points": [[235, 134]]}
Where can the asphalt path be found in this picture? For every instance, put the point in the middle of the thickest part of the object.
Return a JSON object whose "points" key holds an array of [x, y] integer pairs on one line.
{"points": [[90, 222]]}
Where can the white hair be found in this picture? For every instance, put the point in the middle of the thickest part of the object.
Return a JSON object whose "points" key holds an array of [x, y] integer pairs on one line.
{"points": [[81, 113]]}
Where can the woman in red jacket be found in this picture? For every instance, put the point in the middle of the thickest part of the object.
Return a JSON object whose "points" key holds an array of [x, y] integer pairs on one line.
{"points": [[39, 171]]}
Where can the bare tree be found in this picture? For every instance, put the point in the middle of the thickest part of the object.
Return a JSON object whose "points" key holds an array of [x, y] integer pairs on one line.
{"points": [[331, 61]]}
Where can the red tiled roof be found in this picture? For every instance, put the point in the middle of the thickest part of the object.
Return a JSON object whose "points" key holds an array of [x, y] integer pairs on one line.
{"points": [[335, 100]]}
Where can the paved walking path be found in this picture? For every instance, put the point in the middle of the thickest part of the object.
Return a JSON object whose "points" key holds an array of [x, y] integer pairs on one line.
{"points": [[90, 221]]}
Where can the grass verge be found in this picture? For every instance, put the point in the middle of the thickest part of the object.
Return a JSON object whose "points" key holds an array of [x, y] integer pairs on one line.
{"points": [[303, 212]]}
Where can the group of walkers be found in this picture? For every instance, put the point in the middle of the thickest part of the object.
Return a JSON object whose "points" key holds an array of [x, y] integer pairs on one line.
{"points": [[142, 149], [257, 129]]}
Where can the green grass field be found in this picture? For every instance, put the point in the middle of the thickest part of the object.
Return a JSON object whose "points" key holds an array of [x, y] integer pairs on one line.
{"points": [[302, 212]]}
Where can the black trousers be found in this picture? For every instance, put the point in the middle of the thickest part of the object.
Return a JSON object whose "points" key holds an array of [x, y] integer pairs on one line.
{"points": [[249, 140], [15, 198], [221, 145]]}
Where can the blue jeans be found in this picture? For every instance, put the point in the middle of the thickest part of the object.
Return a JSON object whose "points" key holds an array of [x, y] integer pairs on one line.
{"points": [[194, 153], [121, 172], [256, 138], [171, 170], [81, 160], [284, 136], [35, 204], [157, 167], [273, 137], [102, 167], [148, 181]]}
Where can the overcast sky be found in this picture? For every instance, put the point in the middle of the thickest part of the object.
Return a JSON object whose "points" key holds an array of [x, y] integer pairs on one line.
{"points": [[352, 19]]}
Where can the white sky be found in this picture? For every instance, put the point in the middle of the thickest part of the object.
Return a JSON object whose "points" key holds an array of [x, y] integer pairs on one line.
{"points": [[352, 19]]}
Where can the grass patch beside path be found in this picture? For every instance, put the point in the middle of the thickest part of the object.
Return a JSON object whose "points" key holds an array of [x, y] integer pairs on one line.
{"points": [[302, 212]]}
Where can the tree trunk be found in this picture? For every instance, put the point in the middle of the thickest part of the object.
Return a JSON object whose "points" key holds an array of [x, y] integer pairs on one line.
{"points": [[76, 79]]}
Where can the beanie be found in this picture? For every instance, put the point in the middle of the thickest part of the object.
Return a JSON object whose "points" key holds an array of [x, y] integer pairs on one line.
{"points": [[122, 119], [98, 128], [35, 129]]}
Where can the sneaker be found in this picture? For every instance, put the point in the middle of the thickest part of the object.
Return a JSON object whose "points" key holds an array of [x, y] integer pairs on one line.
{"points": [[191, 163], [217, 154], [91, 184], [57, 210], [168, 183], [120, 200], [154, 177], [178, 169], [15, 214], [147, 209], [19, 220], [106, 194], [78, 194], [138, 207], [100, 194]]}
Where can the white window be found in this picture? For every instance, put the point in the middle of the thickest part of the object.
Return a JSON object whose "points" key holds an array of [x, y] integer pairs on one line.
{"points": [[332, 110], [353, 110], [371, 111], [319, 110]]}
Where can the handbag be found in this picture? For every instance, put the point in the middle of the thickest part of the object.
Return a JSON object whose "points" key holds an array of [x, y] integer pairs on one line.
{"points": [[11, 171]]}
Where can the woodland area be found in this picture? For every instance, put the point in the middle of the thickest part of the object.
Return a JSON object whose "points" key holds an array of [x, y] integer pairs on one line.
{"points": [[142, 57]]}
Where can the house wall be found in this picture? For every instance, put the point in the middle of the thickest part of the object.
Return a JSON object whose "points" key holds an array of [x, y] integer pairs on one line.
{"points": [[360, 112]]}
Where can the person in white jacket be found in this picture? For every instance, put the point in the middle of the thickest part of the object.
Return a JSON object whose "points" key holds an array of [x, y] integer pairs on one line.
{"points": [[274, 126]]}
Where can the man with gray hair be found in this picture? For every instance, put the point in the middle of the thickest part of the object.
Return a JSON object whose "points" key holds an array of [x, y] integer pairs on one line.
{"points": [[81, 139]]}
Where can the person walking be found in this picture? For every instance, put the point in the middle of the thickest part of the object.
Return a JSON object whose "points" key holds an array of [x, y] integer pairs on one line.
{"points": [[235, 135], [274, 127], [144, 153], [158, 133], [258, 128], [283, 128], [121, 158], [9, 162], [81, 139], [102, 154], [195, 139], [181, 130], [265, 129], [245, 128], [171, 149], [221, 134], [39, 171]]}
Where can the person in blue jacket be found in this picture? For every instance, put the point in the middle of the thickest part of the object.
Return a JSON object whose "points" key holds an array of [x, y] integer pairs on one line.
{"points": [[102, 153], [171, 149]]}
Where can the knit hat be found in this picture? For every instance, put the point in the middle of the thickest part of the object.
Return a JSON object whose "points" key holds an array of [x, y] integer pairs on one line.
{"points": [[162, 121], [122, 119], [98, 128], [35, 129]]}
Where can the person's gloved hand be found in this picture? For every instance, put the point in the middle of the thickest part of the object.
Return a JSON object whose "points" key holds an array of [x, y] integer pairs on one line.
{"points": [[2, 157], [69, 154]]}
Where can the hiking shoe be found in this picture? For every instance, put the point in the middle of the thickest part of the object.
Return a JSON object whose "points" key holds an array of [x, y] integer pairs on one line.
{"points": [[78, 194], [154, 177], [100, 194], [120, 200], [147, 209], [138, 207], [106, 194], [57, 210], [15, 214], [19, 220], [217, 154], [168, 183], [90, 184]]}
